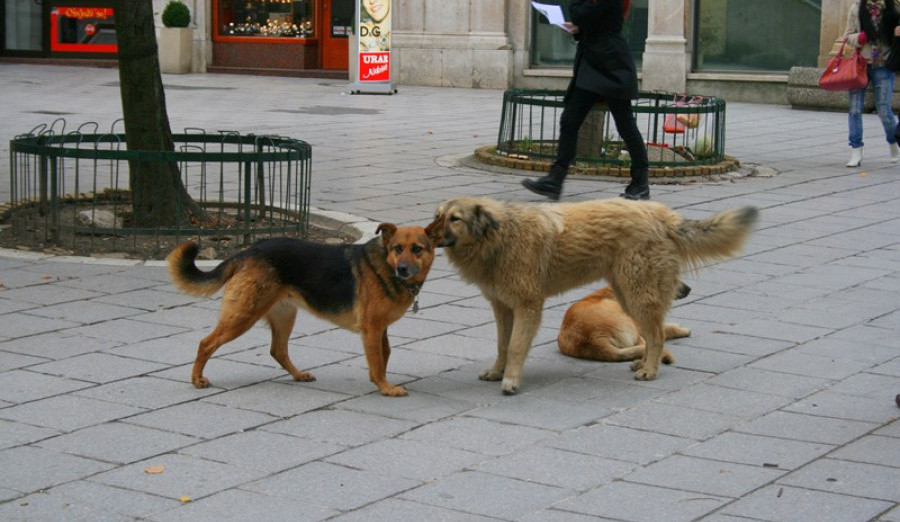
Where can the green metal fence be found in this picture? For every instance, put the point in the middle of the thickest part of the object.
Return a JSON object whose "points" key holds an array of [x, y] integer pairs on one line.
{"points": [[61, 182], [680, 129]]}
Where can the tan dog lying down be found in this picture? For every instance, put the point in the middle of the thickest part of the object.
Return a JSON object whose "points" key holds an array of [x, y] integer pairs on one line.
{"points": [[597, 328]]}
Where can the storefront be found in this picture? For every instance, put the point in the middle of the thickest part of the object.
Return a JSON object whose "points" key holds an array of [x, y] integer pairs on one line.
{"points": [[729, 48], [59, 29], [281, 34], [246, 35]]}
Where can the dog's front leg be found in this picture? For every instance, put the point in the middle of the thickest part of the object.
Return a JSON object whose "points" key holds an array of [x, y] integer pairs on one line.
{"points": [[503, 317], [647, 368], [378, 350], [526, 322]]}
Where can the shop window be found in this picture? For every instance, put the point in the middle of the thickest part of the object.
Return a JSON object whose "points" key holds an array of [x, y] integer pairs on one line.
{"points": [[552, 47], [266, 18], [759, 36], [22, 26]]}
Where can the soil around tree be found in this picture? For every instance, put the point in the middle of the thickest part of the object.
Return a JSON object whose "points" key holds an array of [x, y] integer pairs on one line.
{"points": [[25, 229]]}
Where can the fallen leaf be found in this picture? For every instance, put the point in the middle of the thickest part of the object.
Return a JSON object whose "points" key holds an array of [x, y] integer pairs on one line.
{"points": [[185, 498], [154, 470], [862, 174]]}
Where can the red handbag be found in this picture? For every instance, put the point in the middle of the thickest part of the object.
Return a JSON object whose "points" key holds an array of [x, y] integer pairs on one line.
{"points": [[844, 73]]}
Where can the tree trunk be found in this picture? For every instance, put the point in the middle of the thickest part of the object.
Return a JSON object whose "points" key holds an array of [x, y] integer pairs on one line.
{"points": [[158, 195]]}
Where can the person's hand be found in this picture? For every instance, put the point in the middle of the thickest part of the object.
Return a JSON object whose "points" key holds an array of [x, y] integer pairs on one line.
{"points": [[897, 30], [573, 29]]}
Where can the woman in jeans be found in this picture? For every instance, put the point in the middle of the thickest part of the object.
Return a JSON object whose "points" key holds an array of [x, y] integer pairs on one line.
{"points": [[871, 25], [603, 72]]}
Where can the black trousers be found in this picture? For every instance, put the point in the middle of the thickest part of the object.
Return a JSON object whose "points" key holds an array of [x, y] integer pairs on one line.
{"points": [[578, 104]]}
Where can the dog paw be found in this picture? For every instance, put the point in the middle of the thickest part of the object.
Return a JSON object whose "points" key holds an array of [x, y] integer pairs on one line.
{"points": [[490, 375], [394, 391], [200, 382], [304, 377], [509, 387], [637, 365], [645, 374]]}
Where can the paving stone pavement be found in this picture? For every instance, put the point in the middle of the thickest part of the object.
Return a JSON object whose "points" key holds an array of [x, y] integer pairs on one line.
{"points": [[780, 407]]}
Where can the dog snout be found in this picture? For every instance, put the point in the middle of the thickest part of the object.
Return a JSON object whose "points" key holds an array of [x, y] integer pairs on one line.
{"points": [[447, 240], [406, 270]]}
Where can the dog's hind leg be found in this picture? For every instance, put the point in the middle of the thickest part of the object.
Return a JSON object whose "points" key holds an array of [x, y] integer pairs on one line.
{"points": [[228, 329], [526, 322], [503, 317], [281, 318], [244, 302], [676, 331]]}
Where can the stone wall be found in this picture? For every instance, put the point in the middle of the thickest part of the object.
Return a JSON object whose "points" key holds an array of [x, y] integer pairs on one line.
{"points": [[452, 43]]}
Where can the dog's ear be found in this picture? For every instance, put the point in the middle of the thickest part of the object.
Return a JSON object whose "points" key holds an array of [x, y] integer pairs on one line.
{"points": [[435, 230], [484, 221], [387, 231]]}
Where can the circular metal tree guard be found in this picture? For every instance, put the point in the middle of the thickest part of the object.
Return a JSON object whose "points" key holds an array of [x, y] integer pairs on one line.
{"points": [[685, 135], [249, 185]]}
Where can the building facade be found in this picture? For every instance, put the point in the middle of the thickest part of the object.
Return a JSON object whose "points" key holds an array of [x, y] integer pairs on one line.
{"points": [[737, 49]]}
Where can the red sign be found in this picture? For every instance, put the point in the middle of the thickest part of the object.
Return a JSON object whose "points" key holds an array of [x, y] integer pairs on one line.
{"points": [[83, 30], [375, 67]]}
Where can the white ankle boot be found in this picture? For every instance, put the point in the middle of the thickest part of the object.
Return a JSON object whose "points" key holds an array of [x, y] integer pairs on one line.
{"points": [[895, 153], [855, 157]]}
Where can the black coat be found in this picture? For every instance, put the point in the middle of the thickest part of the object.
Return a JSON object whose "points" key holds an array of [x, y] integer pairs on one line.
{"points": [[603, 62]]}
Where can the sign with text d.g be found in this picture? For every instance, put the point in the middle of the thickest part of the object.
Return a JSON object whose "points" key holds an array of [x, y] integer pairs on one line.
{"points": [[373, 38], [375, 67]]}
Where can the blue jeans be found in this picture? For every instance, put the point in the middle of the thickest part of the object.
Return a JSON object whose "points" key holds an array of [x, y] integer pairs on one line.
{"points": [[882, 81]]}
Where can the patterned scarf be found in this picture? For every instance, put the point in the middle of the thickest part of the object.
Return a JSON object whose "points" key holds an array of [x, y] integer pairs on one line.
{"points": [[875, 9]]}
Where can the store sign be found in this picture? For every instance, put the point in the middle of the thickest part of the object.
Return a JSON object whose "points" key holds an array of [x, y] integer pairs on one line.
{"points": [[374, 40], [83, 30], [375, 67]]}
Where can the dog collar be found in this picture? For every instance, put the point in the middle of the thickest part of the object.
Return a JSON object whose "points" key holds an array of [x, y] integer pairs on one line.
{"points": [[413, 290]]}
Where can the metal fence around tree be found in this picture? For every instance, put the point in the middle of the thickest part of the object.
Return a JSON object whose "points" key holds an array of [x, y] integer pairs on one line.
{"points": [[679, 129], [71, 189]]}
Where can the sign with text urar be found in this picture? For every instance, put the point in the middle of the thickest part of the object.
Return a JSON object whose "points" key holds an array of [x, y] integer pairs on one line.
{"points": [[373, 47]]}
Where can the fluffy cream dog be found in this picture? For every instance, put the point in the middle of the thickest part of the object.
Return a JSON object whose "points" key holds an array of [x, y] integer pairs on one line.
{"points": [[519, 254]]}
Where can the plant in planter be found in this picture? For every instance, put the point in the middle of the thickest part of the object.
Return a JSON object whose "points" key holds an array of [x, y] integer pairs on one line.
{"points": [[176, 14], [175, 39]]}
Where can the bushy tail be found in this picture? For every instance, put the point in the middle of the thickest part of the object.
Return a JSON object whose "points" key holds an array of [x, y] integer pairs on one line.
{"points": [[718, 237], [190, 279]]}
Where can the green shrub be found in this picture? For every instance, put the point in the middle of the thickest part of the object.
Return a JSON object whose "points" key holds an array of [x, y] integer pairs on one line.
{"points": [[176, 14]]}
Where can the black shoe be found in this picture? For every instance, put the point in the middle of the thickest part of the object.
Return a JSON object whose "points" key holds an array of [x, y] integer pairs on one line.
{"points": [[636, 194], [545, 186]]}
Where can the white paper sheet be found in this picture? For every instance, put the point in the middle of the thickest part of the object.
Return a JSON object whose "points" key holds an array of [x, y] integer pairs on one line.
{"points": [[553, 13]]}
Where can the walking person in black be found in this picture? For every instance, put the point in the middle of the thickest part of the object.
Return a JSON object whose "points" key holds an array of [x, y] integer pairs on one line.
{"points": [[603, 72]]}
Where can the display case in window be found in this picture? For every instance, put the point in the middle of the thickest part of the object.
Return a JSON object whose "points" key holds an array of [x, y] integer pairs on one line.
{"points": [[254, 19]]}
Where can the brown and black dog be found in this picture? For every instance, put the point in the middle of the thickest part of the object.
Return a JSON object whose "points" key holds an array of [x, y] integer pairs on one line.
{"points": [[363, 288]]}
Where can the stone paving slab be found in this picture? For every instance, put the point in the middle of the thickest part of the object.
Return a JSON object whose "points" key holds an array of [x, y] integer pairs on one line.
{"points": [[780, 406]]}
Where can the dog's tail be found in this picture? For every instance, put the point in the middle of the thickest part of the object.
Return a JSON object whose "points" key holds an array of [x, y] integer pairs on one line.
{"points": [[190, 279], [718, 237]]}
